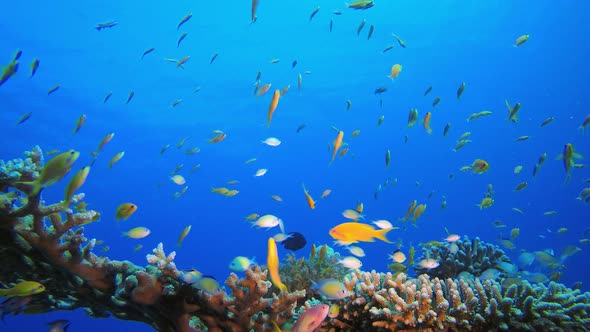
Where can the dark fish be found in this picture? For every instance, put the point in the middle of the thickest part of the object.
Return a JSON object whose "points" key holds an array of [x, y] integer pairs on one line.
{"points": [[180, 39], [446, 130], [148, 51], [107, 97], [380, 90], [184, 20], [547, 121], [258, 76], [387, 48], [361, 26], [105, 25], [427, 91], [17, 55], [435, 101], [214, 57], [131, 94], [24, 118], [301, 126], [34, 67], [371, 29], [293, 64], [295, 242], [53, 89], [315, 11], [331, 24], [460, 90], [380, 103]]}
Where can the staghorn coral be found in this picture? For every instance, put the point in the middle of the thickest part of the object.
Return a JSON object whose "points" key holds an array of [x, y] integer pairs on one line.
{"points": [[473, 256], [382, 302], [47, 243], [322, 264]]}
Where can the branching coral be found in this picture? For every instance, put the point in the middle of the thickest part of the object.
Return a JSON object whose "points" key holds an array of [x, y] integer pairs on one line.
{"points": [[473, 256], [322, 264], [384, 303], [46, 243]]}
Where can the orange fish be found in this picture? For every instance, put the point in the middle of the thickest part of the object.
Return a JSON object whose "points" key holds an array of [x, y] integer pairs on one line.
{"points": [[263, 89], [343, 152], [218, 138], [273, 105], [426, 122], [337, 144], [310, 200]]}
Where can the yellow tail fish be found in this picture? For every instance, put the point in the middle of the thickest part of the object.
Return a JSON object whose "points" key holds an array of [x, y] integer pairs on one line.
{"points": [[337, 144], [273, 105], [310, 200], [272, 261]]}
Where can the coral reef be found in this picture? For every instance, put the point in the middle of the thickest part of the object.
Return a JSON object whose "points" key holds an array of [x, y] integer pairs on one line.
{"points": [[46, 243], [382, 302], [472, 256], [321, 264]]}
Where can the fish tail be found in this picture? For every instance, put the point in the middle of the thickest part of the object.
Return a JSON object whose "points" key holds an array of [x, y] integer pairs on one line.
{"points": [[35, 186], [382, 234], [275, 327], [283, 288]]}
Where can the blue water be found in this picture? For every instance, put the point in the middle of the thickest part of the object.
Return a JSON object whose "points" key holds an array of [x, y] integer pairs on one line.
{"points": [[449, 42]]}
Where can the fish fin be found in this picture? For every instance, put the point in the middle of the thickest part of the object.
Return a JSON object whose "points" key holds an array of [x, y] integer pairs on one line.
{"points": [[382, 234], [577, 155], [275, 327]]}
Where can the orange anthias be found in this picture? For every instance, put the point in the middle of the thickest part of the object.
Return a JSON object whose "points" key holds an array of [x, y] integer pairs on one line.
{"points": [[273, 105]]}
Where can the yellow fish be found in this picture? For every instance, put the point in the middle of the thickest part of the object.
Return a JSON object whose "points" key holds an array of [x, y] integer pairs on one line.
{"points": [[116, 158], [23, 288], [137, 233], [395, 71], [75, 183], [184, 233], [272, 261], [54, 170], [521, 40], [125, 210]]}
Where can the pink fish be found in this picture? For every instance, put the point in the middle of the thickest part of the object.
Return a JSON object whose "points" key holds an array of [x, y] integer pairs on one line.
{"points": [[311, 319]]}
